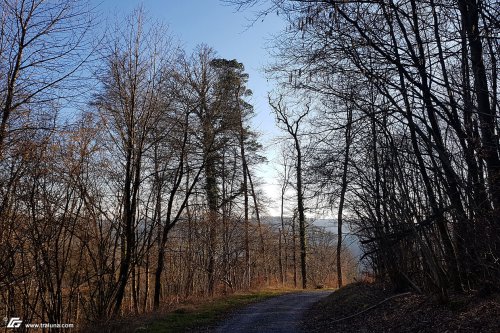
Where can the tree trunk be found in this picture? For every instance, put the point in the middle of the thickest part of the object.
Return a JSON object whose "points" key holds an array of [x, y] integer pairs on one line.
{"points": [[343, 190], [302, 218], [486, 114]]}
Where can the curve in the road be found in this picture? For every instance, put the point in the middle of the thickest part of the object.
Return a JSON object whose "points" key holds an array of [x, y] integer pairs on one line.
{"points": [[276, 315]]}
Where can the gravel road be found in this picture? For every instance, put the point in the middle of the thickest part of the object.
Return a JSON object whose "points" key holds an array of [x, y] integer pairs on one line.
{"points": [[278, 314]]}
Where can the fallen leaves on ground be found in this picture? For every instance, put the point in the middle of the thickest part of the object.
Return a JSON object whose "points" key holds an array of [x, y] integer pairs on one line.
{"points": [[408, 312]]}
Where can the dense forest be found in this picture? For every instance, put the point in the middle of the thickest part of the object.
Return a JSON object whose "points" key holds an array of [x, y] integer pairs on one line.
{"points": [[128, 165], [127, 173], [402, 98]]}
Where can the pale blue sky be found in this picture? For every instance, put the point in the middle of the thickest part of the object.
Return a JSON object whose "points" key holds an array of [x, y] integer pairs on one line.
{"points": [[228, 32]]}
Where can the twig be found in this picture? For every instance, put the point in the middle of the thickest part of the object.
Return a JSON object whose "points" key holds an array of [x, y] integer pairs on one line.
{"points": [[371, 307]]}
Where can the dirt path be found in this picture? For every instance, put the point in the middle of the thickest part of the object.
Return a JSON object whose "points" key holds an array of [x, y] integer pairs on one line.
{"points": [[278, 314]]}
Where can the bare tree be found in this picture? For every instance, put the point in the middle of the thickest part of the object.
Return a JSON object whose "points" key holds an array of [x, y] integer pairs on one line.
{"points": [[42, 44], [131, 105], [291, 125], [407, 53]]}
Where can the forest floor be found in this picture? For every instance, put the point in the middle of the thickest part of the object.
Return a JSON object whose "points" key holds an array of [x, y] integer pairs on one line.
{"points": [[370, 308]]}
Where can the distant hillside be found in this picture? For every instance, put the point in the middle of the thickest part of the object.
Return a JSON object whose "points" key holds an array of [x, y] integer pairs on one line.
{"points": [[349, 239]]}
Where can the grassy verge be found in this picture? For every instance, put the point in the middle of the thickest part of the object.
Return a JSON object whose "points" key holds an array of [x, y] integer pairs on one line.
{"points": [[191, 316]]}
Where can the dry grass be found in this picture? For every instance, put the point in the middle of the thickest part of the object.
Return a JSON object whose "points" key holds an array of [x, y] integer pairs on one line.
{"points": [[185, 315]]}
